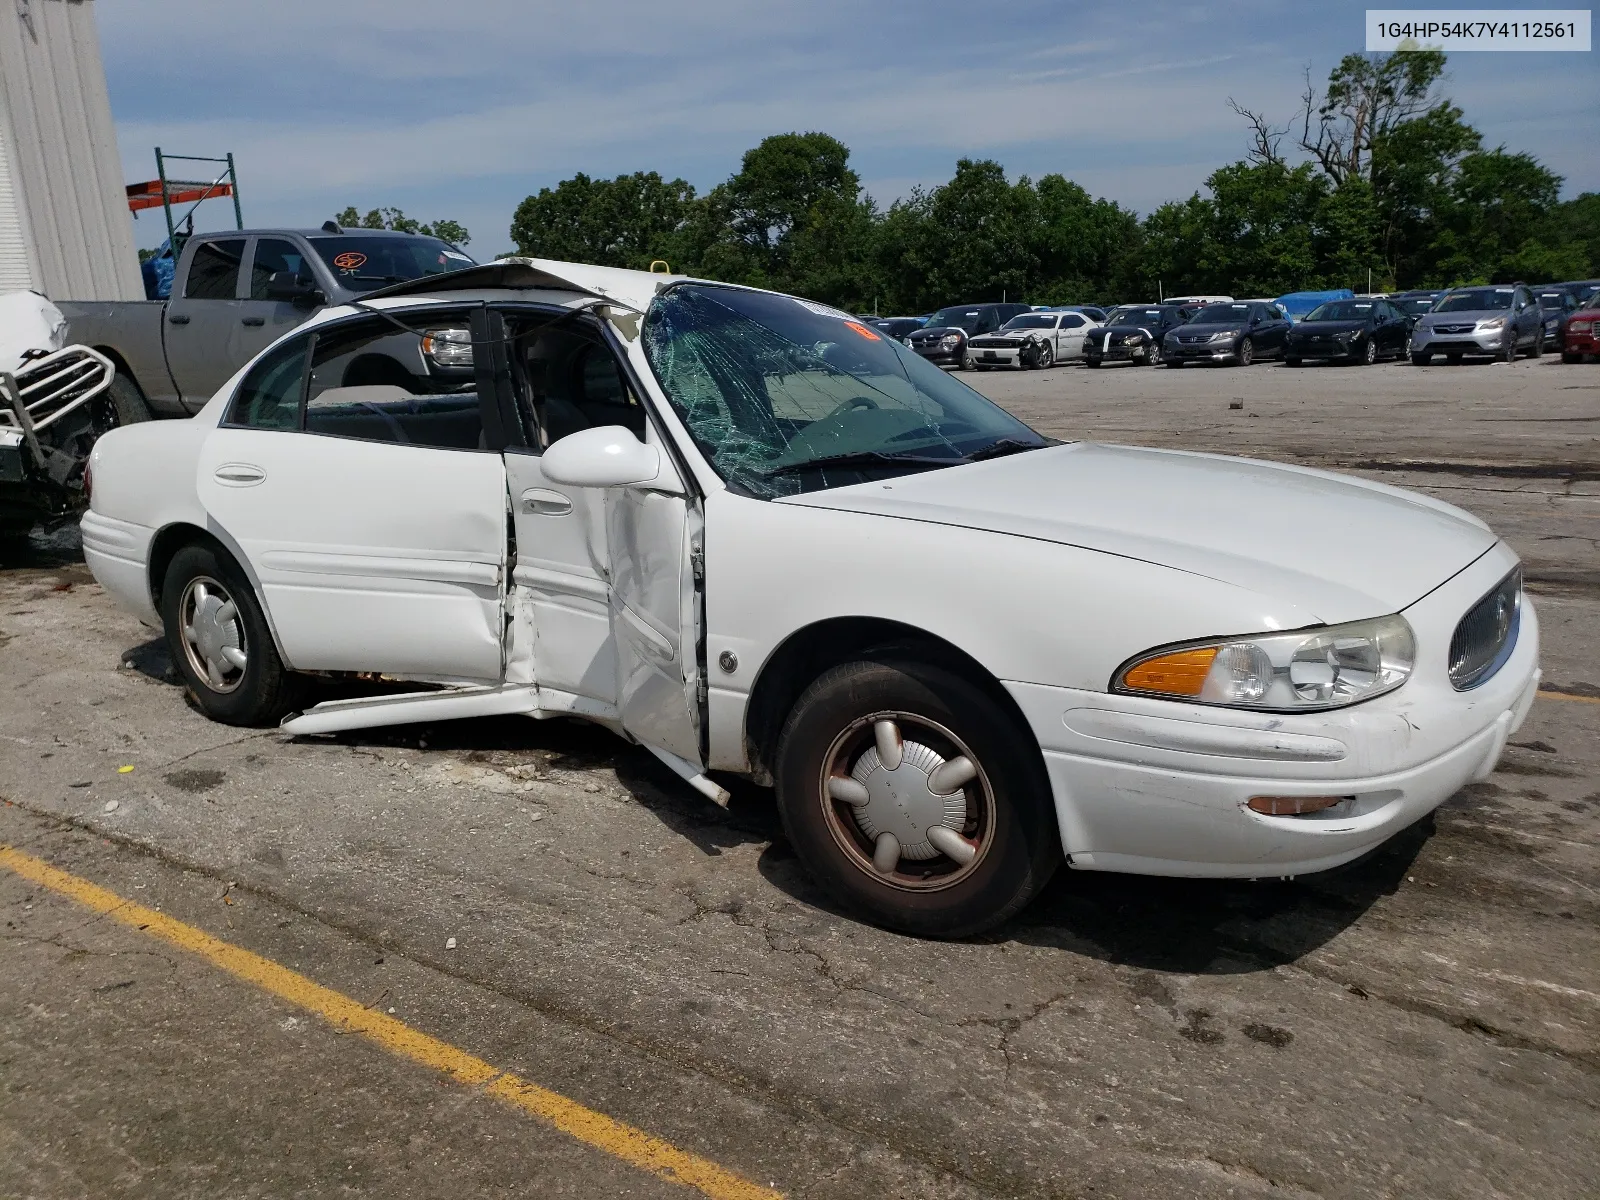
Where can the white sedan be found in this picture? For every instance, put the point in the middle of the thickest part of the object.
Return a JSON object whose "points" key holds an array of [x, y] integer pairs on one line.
{"points": [[1032, 339], [756, 536]]}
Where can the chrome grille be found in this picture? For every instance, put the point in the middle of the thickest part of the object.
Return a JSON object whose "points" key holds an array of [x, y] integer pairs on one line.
{"points": [[1453, 328], [1487, 634]]}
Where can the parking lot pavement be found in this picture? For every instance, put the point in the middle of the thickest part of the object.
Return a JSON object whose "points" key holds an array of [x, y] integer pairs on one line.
{"points": [[1425, 1022]]}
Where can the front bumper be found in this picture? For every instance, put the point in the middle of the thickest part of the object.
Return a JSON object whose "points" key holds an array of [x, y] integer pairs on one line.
{"points": [[1161, 788], [1581, 343], [1123, 352], [1218, 352], [1491, 341], [1320, 349], [939, 355], [997, 356]]}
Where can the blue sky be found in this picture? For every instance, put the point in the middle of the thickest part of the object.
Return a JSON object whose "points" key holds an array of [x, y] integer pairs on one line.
{"points": [[460, 110]]}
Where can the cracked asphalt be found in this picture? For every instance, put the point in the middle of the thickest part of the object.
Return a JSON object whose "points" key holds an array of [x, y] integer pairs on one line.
{"points": [[1425, 1022]]}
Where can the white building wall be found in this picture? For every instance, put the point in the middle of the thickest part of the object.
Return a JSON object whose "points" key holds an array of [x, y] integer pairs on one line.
{"points": [[69, 207]]}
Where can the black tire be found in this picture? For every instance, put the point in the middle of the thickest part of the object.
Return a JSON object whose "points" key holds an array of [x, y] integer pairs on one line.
{"points": [[127, 401], [967, 362], [1292, 362], [1015, 830], [264, 690], [1421, 359], [1152, 356], [1247, 352], [1537, 349], [1367, 355], [1045, 358], [1509, 353], [1091, 362]]}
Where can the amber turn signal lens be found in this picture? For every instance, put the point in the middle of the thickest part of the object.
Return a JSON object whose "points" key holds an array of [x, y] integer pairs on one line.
{"points": [[1292, 806], [1181, 673]]}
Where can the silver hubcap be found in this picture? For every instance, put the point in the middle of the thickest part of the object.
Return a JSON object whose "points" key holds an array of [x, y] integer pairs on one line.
{"points": [[213, 634], [907, 802]]}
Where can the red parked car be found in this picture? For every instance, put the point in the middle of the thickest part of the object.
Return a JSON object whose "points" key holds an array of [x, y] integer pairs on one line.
{"points": [[1582, 334]]}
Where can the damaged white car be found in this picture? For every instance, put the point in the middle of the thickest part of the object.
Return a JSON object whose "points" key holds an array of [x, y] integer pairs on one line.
{"points": [[756, 536]]}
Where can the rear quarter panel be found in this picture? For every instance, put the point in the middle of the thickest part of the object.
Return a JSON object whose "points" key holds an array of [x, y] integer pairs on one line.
{"points": [[130, 333]]}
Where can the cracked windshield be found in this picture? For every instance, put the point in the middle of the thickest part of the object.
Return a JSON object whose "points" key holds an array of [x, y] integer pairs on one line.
{"points": [[785, 396]]}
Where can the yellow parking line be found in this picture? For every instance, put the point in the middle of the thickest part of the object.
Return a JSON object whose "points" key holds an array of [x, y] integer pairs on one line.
{"points": [[1552, 694], [623, 1141]]}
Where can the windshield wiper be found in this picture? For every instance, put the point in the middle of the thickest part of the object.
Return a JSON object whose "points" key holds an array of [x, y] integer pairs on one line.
{"points": [[863, 458], [1001, 448]]}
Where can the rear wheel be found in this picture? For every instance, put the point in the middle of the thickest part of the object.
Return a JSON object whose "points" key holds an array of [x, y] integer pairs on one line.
{"points": [[218, 639], [914, 799], [127, 401]]}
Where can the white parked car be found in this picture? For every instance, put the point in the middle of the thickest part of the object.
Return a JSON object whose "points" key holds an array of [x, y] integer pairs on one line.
{"points": [[756, 536], [1033, 339]]}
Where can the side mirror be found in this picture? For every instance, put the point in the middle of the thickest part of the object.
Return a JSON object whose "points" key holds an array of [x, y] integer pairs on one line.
{"points": [[608, 456], [286, 285]]}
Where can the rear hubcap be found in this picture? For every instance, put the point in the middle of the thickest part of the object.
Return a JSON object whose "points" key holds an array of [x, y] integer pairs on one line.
{"points": [[213, 635]]}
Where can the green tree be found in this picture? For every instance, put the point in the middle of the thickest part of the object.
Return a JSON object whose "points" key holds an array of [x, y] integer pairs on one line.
{"points": [[629, 221], [392, 218]]}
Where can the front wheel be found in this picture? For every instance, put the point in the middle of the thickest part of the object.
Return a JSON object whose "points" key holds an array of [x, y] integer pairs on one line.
{"points": [[1537, 349], [914, 799], [1091, 362], [1247, 352], [1152, 356], [218, 639], [1571, 356], [1367, 355], [967, 362], [1046, 356], [1291, 362]]}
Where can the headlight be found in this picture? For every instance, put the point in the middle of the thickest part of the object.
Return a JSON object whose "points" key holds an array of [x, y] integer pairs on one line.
{"points": [[1493, 323], [908, 341], [950, 341], [1348, 335], [448, 347], [1325, 667], [1580, 326], [1226, 335], [1136, 335]]}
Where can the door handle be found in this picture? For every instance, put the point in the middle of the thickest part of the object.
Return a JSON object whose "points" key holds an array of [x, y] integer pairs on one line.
{"points": [[179, 318], [238, 474], [542, 502], [252, 321]]}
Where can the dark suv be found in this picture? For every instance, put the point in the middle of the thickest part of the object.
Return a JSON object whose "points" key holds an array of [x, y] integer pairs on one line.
{"points": [[944, 338]]}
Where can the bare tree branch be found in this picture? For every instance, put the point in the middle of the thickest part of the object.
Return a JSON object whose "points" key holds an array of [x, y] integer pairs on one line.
{"points": [[1266, 137]]}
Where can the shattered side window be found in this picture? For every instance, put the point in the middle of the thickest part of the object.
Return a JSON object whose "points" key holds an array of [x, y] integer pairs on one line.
{"points": [[784, 396]]}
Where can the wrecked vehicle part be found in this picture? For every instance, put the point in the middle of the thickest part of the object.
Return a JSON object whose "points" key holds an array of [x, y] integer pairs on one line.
{"points": [[762, 538]]}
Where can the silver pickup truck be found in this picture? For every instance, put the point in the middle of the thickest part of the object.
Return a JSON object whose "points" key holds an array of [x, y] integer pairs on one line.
{"points": [[233, 293]]}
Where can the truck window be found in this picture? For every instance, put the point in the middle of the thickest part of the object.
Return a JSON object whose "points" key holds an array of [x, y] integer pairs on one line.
{"points": [[378, 382], [269, 397], [214, 270], [275, 254]]}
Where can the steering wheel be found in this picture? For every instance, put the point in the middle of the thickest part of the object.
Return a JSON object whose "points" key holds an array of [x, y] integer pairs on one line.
{"points": [[863, 403]]}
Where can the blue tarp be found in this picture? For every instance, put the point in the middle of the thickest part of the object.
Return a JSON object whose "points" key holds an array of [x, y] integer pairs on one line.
{"points": [[1298, 304], [158, 271]]}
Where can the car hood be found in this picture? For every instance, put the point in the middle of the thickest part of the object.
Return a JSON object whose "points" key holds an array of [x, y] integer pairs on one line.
{"points": [[938, 331], [1327, 328], [1340, 548], [1463, 317]]}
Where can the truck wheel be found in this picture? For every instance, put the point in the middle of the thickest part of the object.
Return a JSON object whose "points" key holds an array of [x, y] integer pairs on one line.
{"points": [[127, 401], [915, 800], [218, 638]]}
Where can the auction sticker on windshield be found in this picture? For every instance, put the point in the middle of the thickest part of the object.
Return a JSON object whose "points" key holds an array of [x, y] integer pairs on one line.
{"points": [[349, 260]]}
